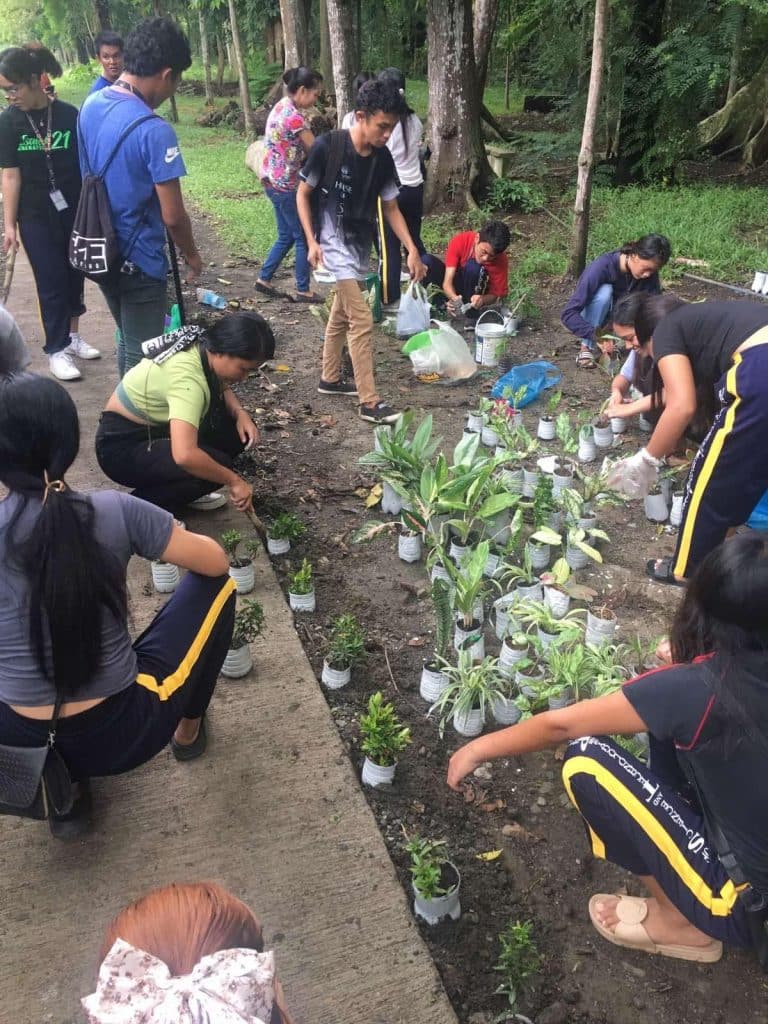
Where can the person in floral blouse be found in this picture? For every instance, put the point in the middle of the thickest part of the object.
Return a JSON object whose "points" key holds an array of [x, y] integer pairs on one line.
{"points": [[288, 140]]}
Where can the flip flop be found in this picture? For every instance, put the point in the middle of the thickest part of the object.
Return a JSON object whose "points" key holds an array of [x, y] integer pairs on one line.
{"points": [[193, 750], [660, 571], [267, 289], [630, 933], [585, 360], [313, 298]]}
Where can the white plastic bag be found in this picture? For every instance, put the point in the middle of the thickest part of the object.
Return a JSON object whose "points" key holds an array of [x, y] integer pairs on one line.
{"points": [[447, 353], [413, 311]]}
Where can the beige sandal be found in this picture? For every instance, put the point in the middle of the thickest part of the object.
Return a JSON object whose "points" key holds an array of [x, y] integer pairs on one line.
{"points": [[630, 933]]}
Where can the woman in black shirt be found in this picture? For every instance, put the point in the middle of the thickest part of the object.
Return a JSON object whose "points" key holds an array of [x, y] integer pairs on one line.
{"points": [[41, 188], [702, 796], [706, 354]]}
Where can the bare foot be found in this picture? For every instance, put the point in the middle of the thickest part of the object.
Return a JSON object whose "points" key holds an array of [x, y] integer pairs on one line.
{"points": [[187, 730], [663, 928], [664, 651]]}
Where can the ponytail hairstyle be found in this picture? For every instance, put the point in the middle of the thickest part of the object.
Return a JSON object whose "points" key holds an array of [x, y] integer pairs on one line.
{"points": [[649, 247], [71, 578], [19, 64], [296, 78], [245, 335], [644, 312], [396, 78], [360, 79]]}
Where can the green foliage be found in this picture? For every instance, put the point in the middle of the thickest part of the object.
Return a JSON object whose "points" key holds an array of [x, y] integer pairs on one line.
{"points": [[384, 736], [286, 526], [543, 501], [472, 686], [301, 582], [427, 859], [231, 540], [346, 645], [513, 194], [519, 959], [249, 623], [443, 607]]}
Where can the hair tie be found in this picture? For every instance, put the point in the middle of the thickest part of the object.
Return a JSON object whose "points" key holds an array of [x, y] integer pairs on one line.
{"points": [[52, 485]]}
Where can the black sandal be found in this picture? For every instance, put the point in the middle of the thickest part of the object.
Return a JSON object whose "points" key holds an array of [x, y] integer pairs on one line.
{"points": [[660, 571], [267, 289], [190, 751]]}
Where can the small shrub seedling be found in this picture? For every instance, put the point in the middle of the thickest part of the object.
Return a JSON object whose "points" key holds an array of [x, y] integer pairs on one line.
{"points": [[384, 736], [249, 623], [301, 582], [346, 645], [287, 526], [427, 859], [232, 541], [518, 960], [443, 607]]}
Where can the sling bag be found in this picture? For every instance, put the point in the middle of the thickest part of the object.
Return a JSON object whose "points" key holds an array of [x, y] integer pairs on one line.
{"points": [[35, 781]]}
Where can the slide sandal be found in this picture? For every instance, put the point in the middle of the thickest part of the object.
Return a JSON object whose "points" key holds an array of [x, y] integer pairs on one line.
{"points": [[630, 933], [660, 571]]}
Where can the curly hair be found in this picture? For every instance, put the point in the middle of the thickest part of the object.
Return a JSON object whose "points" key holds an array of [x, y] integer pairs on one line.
{"points": [[156, 44]]}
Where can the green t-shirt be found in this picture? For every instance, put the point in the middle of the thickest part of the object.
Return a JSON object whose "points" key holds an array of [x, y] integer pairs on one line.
{"points": [[175, 389]]}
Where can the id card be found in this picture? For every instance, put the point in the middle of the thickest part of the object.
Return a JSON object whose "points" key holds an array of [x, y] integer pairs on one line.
{"points": [[58, 200]]}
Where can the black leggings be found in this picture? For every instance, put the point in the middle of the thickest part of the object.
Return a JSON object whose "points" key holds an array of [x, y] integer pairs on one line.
{"points": [[140, 457]]}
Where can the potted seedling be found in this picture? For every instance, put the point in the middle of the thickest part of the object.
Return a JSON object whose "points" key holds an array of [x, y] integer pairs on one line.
{"points": [[514, 400], [543, 508], [522, 579], [550, 629], [472, 688], [240, 553], [512, 707], [470, 584], [566, 435], [640, 655], [301, 588], [655, 504], [400, 459], [285, 528], [518, 960], [602, 430], [568, 672], [436, 881], [586, 450], [601, 626], [545, 430], [346, 649], [514, 648], [519, 448], [433, 680], [383, 738], [249, 623], [529, 671], [409, 539]]}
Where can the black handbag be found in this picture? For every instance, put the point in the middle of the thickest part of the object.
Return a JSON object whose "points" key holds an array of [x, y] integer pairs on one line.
{"points": [[35, 781]]}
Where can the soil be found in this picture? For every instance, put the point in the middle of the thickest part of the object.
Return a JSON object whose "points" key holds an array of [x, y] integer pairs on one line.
{"points": [[539, 867]]}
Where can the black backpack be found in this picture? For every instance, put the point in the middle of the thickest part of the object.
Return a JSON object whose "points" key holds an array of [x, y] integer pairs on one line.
{"points": [[336, 145], [93, 244]]}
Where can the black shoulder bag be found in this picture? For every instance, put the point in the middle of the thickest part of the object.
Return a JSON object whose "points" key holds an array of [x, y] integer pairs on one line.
{"points": [[35, 781], [336, 145]]}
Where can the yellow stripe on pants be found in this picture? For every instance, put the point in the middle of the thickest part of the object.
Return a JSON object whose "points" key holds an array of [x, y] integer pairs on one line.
{"points": [[705, 474], [176, 679], [719, 905], [386, 297]]}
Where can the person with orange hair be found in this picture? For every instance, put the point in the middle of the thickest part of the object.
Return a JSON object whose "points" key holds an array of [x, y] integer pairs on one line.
{"points": [[186, 953]]}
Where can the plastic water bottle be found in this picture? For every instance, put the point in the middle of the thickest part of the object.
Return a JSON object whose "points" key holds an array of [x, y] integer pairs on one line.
{"points": [[209, 298]]}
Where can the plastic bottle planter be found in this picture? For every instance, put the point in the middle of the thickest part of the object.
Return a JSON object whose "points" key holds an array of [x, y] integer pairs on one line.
{"points": [[378, 433], [459, 552], [587, 451], [508, 658], [460, 637], [575, 557], [335, 678], [512, 479], [515, 418], [557, 602], [302, 602], [500, 449], [539, 555], [278, 546], [560, 700], [377, 774], [547, 639], [600, 630], [440, 573], [432, 683], [587, 522], [529, 682], [409, 547], [530, 479], [676, 513], [505, 711], [603, 435], [238, 662], [469, 723], [555, 521], [497, 529], [244, 577], [665, 486], [645, 425], [492, 564], [561, 480], [165, 577], [391, 502], [434, 910], [501, 613], [656, 508], [545, 431], [475, 422], [488, 436], [618, 424], [529, 591]]}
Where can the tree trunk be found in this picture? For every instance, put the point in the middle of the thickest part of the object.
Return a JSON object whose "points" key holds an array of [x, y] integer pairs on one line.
{"points": [[736, 46], [101, 10], [325, 65], [357, 57], [637, 131], [506, 82], [486, 13], [578, 253], [82, 50], [295, 36], [459, 165], [342, 38], [219, 60], [242, 73], [205, 56], [741, 126]]}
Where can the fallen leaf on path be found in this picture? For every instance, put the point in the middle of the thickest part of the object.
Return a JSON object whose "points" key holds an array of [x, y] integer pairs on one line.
{"points": [[282, 368], [374, 496], [489, 855], [328, 421], [223, 280], [416, 641], [515, 829]]}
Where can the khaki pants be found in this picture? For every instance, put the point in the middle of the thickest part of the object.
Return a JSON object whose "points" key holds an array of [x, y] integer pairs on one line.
{"points": [[351, 320]]}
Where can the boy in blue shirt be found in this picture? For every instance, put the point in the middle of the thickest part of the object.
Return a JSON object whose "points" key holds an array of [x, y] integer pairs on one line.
{"points": [[109, 53]]}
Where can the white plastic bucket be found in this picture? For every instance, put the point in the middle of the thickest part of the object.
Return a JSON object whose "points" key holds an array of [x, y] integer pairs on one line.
{"points": [[377, 774], [165, 577], [409, 547], [244, 577], [335, 678], [281, 546], [302, 602], [238, 662], [489, 339]]}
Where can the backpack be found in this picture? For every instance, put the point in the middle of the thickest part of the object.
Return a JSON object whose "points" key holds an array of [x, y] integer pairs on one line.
{"points": [[93, 245], [336, 145]]}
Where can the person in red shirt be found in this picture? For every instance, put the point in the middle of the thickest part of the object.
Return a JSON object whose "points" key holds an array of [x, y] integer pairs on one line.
{"points": [[476, 268]]}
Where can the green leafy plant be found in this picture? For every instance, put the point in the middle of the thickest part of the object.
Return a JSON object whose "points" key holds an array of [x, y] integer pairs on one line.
{"points": [[536, 613], [553, 401], [543, 502], [400, 459], [518, 960], [568, 668], [565, 433], [384, 736], [471, 686], [287, 526], [428, 856], [512, 193], [231, 540], [346, 644], [301, 581], [514, 397], [249, 623], [470, 583], [513, 574], [442, 604]]}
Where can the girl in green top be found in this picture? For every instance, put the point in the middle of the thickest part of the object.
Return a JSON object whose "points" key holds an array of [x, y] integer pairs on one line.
{"points": [[173, 426]]}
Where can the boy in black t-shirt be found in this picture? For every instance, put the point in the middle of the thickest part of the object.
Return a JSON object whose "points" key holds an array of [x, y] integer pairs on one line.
{"points": [[347, 213]]}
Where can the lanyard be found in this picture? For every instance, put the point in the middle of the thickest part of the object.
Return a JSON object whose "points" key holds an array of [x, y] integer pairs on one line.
{"points": [[46, 142], [122, 84]]}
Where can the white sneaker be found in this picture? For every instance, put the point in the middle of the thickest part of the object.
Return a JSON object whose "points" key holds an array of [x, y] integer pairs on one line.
{"points": [[209, 502], [79, 347], [61, 366]]}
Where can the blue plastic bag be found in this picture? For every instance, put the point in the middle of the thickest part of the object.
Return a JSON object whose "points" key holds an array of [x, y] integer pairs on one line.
{"points": [[534, 377], [759, 518]]}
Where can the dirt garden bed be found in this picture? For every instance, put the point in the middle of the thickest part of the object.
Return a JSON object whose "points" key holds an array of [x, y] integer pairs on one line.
{"points": [[308, 464]]}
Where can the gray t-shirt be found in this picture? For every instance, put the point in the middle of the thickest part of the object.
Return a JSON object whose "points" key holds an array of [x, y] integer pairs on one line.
{"points": [[126, 526]]}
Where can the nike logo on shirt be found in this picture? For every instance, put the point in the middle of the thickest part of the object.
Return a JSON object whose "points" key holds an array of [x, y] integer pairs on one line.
{"points": [[171, 154]]}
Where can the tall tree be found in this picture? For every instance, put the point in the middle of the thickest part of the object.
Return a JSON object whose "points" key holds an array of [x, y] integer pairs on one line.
{"points": [[459, 164], [640, 105], [295, 34], [205, 54], [485, 16], [101, 10], [242, 73], [325, 63], [340, 23], [741, 125], [578, 253]]}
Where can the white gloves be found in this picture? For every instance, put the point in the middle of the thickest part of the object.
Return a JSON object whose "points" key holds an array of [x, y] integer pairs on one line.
{"points": [[635, 476]]}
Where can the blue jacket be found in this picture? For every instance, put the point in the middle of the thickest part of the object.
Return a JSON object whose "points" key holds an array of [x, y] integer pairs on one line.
{"points": [[603, 270]]}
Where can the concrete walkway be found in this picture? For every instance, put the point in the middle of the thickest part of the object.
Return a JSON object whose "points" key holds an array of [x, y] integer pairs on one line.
{"points": [[273, 811]]}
